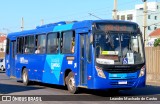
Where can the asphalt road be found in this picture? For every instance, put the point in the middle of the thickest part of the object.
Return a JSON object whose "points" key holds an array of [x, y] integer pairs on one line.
{"points": [[59, 94]]}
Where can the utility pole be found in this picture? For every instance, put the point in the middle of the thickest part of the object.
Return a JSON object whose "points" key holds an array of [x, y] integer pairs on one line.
{"points": [[42, 22], [145, 20], [22, 24], [115, 10]]}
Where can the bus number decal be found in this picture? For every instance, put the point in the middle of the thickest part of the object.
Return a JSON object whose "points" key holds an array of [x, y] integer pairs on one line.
{"points": [[24, 61], [70, 62]]}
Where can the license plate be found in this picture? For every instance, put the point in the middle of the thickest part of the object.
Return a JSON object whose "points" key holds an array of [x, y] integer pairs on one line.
{"points": [[122, 82]]}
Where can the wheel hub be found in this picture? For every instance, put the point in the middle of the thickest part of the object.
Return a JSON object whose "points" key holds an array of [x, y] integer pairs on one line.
{"points": [[24, 77], [71, 83]]}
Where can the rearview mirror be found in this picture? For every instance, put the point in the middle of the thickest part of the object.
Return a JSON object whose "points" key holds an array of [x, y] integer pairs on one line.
{"points": [[91, 39]]}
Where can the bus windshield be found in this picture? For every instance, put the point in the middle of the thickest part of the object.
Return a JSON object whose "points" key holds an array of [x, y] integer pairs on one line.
{"points": [[118, 48]]}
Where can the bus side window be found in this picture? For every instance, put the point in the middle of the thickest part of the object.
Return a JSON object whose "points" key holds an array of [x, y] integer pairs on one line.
{"points": [[40, 43], [52, 43], [7, 47], [29, 46], [68, 42], [20, 44], [88, 48], [73, 44], [37, 50]]}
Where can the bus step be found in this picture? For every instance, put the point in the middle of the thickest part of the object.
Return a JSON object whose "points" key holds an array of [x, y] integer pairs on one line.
{"points": [[83, 86]]}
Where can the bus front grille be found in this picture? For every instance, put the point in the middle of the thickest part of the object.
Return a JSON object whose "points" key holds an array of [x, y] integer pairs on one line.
{"points": [[120, 71], [116, 84]]}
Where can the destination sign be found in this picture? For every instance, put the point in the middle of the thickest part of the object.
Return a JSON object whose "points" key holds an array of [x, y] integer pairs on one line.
{"points": [[116, 27]]}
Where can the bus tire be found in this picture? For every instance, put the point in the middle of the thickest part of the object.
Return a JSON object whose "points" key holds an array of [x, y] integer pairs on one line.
{"points": [[25, 77], [70, 82]]}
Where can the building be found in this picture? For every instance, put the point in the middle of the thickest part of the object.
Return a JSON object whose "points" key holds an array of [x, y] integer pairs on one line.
{"points": [[153, 36], [136, 15], [2, 42]]}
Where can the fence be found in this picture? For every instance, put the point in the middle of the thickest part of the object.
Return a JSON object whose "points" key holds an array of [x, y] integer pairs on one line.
{"points": [[2, 54], [153, 65]]}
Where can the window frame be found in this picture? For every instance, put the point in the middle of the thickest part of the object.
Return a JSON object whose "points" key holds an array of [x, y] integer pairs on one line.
{"points": [[8, 46], [58, 38], [25, 44], [129, 16], [149, 27], [149, 16], [61, 41], [118, 17], [155, 28], [22, 46], [36, 45], [123, 17], [155, 17], [88, 45]]}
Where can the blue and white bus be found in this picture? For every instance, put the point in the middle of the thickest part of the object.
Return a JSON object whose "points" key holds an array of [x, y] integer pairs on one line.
{"points": [[93, 54]]}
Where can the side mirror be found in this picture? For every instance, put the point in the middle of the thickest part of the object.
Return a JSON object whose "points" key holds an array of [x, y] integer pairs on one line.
{"points": [[91, 39]]}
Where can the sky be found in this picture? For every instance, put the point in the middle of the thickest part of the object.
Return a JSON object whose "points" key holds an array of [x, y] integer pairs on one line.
{"points": [[51, 11]]}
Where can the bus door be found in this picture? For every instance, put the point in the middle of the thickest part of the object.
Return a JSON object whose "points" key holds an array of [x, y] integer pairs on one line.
{"points": [[12, 58], [83, 60]]}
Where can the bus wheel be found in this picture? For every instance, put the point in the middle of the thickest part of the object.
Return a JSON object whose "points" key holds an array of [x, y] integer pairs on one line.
{"points": [[70, 81], [25, 77]]}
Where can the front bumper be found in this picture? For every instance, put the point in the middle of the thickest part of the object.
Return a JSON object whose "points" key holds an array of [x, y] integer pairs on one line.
{"points": [[101, 83]]}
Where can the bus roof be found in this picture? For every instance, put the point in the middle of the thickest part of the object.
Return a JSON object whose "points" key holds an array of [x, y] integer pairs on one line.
{"points": [[63, 26]]}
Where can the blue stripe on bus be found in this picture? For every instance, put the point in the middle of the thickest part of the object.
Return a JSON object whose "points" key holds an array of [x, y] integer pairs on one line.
{"points": [[52, 68], [123, 76], [63, 27]]}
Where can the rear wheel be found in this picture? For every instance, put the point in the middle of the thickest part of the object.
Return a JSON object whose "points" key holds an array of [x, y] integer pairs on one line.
{"points": [[71, 83], [25, 77]]}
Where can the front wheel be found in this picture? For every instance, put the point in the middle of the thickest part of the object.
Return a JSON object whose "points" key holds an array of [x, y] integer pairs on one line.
{"points": [[25, 77], [70, 81]]}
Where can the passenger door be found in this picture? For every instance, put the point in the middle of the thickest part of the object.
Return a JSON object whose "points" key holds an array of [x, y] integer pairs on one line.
{"points": [[12, 58], [83, 60]]}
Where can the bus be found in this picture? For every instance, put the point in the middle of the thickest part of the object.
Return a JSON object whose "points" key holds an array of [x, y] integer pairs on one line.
{"points": [[91, 54]]}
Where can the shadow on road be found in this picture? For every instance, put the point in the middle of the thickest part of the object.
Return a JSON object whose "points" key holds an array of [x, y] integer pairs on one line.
{"points": [[2, 71], [49, 85], [7, 88], [148, 90]]}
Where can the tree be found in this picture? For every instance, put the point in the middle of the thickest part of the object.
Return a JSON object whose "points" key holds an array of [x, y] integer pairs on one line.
{"points": [[157, 42]]}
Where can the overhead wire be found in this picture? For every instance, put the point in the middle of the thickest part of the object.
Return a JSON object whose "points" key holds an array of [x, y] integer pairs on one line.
{"points": [[85, 14]]}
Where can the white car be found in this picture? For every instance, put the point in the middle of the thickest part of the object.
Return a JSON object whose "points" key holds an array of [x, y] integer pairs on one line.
{"points": [[2, 64]]}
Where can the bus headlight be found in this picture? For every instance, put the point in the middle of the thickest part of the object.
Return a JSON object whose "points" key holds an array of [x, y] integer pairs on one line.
{"points": [[100, 72], [142, 71]]}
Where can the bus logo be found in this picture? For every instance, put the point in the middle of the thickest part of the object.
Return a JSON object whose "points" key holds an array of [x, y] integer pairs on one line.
{"points": [[55, 65]]}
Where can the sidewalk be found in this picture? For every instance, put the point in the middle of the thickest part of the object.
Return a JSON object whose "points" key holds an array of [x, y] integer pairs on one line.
{"points": [[153, 83]]}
